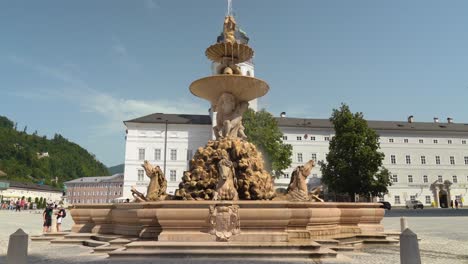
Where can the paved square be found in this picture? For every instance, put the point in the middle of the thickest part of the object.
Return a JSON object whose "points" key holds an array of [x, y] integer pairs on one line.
{"points": [[444, 239]]}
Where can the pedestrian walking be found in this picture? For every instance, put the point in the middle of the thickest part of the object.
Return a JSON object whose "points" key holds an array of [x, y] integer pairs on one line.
{"points": [[451, 203], [456, 203]]}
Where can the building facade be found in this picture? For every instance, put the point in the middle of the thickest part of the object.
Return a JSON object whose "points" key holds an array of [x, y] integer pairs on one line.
{"points": [[94, 190], [11, 190], [428, 161]]}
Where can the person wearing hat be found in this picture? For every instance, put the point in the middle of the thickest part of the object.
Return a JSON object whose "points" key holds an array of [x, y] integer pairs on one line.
{"points": [[60, 215]]}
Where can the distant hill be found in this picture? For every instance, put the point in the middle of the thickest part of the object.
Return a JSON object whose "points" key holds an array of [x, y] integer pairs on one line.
{"points": [[116, 169], [33, 158]]}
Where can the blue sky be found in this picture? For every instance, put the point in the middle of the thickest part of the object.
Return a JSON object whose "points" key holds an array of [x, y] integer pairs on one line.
{"points": [[80, 68]]}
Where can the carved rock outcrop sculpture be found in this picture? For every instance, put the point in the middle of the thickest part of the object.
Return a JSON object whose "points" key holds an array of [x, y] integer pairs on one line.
{"points": [[157, 187], [252, 181]]}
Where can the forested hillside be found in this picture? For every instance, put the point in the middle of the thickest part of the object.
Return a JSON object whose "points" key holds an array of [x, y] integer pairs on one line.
{"points": [[33, 158]]}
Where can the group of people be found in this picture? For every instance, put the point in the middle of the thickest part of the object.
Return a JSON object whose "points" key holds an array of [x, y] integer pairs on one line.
{"points": [[17, 205], [49, 213], [456, 203]]}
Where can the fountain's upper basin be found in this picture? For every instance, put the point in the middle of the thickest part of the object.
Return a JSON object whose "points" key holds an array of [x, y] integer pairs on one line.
{"points": [[237, 52], [244, 88]]}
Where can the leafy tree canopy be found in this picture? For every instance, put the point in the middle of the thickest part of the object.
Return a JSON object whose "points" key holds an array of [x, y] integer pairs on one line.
{"points": [[262, 129], [354, 164], [66, 160]]}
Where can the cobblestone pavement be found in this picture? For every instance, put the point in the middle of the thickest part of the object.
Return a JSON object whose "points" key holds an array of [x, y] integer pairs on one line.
{"points": [[443, 240]]}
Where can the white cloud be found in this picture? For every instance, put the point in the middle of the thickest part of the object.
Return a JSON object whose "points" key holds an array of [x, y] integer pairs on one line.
{"points": [[114, 110], [151, 4], [119, 49]]}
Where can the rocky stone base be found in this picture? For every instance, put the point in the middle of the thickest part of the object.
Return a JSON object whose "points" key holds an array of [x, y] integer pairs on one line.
{"points": [[252, 181]]}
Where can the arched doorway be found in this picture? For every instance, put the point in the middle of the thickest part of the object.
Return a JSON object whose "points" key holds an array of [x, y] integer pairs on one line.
{"points": [[443, 202]]}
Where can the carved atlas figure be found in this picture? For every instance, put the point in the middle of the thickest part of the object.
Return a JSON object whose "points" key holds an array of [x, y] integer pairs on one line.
{"points": [[229, 117]]}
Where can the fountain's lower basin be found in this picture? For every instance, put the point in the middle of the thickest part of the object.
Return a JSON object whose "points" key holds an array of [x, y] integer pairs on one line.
{"points": [[260, 221]]}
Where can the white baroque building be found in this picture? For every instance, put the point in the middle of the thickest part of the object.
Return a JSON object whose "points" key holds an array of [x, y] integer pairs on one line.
{"points": [[428, 161]]}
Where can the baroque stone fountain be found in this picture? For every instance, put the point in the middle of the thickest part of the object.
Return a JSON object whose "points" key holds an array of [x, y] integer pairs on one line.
{"points": [[226, 204]]}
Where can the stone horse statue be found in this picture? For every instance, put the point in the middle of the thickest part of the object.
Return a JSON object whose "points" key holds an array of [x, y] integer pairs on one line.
{"points": [[297, 189], [226, 188], [157, 186]]}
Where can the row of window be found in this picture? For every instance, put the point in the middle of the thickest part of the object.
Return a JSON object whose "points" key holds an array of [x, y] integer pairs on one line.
{"points": [[90, 201], [306, 137], [393, 160], [425, 178], [427, 200], [94, 193], [172, 175], [99, 185], [421, 141], [157, 154], [286, 175], [313, 156]]}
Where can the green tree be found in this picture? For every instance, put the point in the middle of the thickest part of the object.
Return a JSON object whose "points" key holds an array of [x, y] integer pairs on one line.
{"points": [[262, 129], [354, 164]]}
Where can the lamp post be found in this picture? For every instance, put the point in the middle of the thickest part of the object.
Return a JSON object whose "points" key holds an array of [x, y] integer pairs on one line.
{"points": [[165, 148]]}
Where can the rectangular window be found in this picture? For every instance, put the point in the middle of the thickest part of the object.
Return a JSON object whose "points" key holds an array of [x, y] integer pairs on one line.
{"points": [[141, 154], [458, 198], [189, 154], [428, 199], [466, 160], [314, 157], [449, 141], [439, 179], [408, 159], [423, 160], [285, 137], [299, 138], [410, 178], [436, 141], [173, 175], [455, 179], [438, 160], [390, 140], [425, 179], [381, 199], [299, 157], [394, 178], [157, 154], [286, 176], [463, 142], [173, 154], [393, 159], [405, 140], [412, 197], [327, 138], [397, 199], [312, 138], [421, 141], [452, 160], [141, 175]]}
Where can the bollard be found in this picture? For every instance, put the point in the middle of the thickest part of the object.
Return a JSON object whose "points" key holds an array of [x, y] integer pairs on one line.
{"points": [[409, 248], [18, 248], [403, 224]]}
